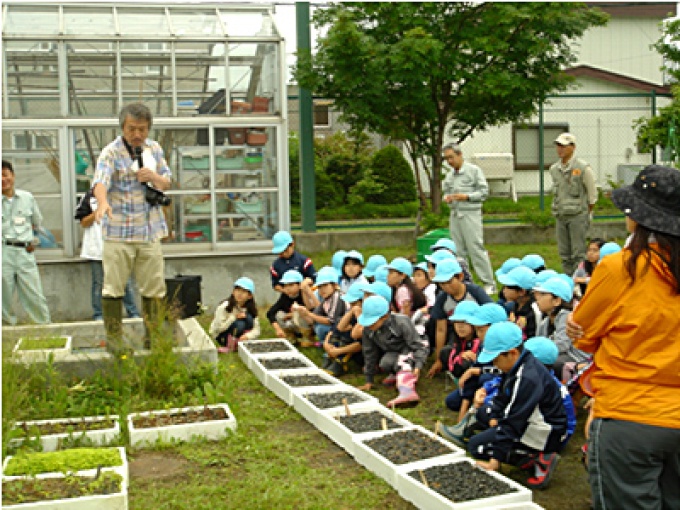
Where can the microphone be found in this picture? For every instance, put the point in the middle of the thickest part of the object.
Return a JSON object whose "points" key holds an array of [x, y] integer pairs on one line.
{"points": [[138, 156]]}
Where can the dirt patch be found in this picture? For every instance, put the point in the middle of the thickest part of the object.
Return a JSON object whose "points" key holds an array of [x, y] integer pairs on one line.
{"points": [[157, 465]]}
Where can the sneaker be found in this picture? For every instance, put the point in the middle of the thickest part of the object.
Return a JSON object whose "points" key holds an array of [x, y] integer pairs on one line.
{"points": [[327, 361], [336, 369], [543, 470], [452, 435]]}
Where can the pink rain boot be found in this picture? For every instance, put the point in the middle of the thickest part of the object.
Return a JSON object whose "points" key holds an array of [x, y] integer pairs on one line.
{"points": [[406, 384]]}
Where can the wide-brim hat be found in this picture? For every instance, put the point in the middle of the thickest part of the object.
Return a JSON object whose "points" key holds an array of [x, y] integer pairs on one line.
{"points": [[653, 200]]}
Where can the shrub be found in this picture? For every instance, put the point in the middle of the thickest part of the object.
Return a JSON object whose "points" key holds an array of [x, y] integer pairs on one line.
{"points": [[389, 180]]}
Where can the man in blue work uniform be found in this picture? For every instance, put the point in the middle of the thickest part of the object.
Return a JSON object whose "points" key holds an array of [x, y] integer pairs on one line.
{"points": [[20, 218]]}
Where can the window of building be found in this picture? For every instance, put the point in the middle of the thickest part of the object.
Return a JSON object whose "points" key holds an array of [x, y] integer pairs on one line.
{"points": [[526, 142], [322, 116], [28, 140]]}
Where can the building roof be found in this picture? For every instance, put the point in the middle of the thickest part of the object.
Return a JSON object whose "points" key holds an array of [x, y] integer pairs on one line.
{"points": [[601, 74], [658, 10]]}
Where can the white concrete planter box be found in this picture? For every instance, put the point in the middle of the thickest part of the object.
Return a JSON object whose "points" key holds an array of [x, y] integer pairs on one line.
{"points": [[330, 425], [115, 501], [311, 413], [212, 429], [285, 392], [42, 355], [247, 355], [521, 506], [122, 470], [53, 442], [388, 470], [262, 373], [425, 498]]}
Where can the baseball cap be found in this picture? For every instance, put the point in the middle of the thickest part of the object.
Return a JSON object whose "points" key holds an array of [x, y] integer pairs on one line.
{"points": [[542, 276], [557, 287], [543, 349], [378, 289], [444, 244], [421, 267], [373, 263], [402, 265], [338, 259], [533, 261], [438, 256], [281, 240], [488, 313], [354, 255], [245, 283], [608, 249], [521, 276], [566, 139], [327, 274], [464, 311], [381, 274], [508, 266], [291, 276], [446, 269], [354, 293], [372, 310], [500, 338], [653, 200]]}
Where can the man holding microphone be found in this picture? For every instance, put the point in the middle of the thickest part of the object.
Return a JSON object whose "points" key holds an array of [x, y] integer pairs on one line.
{"points": [[133, 221]]}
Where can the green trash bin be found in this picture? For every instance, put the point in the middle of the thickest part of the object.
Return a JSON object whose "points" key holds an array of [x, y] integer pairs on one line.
{"points": [[424, 242]]}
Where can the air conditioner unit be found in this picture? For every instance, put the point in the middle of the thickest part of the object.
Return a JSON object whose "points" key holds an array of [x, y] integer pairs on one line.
{"points": [[626, 174]]}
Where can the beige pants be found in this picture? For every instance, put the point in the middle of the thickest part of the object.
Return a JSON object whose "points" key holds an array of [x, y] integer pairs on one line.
{"points": [[146, 259]]}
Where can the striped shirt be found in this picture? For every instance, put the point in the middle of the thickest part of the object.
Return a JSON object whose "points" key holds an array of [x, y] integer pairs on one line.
{"points": [[133, 219]]}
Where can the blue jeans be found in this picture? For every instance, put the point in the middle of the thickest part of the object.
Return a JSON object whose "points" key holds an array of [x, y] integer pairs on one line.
{"points": [[97, 284], [322, 331]]}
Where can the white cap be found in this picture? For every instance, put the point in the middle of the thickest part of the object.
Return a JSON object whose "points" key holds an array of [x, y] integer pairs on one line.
{"points": [[566, 139]]}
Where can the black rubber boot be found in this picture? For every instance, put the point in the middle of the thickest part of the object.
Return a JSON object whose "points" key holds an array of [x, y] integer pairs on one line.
{"points": [[112, 311]]}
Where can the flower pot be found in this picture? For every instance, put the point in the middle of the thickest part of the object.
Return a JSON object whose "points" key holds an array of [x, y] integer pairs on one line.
{"points": [[165, 431], [411, 487], [41, 355], [80, 435]]}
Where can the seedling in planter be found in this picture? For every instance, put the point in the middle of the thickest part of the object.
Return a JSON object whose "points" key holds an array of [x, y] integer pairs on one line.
{"points": [[31, 490], [64, 461], [29, 344]]}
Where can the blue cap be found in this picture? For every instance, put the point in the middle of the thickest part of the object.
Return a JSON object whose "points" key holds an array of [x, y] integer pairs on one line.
{"points": [[444, 244], [464, 311], [355, 255], [508, 266], [372, 310], [373, 263], [245, 283], [281, 240], [569, 280], [327, 274], [446, 269], [521, 276], [338, 260], [438, 256], [500, 338], [533, 261], [402, 265], [422, 267], [354, 293], [379, 289], [381, 274], [543, 349], [489, 313], [291, 276], [608, 249], [557, 287], [542, 276]]}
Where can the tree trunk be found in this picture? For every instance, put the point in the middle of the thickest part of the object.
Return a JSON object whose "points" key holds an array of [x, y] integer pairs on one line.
{"points": [[436, 182]]}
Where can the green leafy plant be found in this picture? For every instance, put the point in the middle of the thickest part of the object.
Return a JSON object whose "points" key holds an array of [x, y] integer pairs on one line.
{"points": [[537, 218], [64, 461], [31, 490], [28, 344]]}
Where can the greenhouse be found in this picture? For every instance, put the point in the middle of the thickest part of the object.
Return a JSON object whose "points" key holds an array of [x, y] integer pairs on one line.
{"points": [[214, 78]]}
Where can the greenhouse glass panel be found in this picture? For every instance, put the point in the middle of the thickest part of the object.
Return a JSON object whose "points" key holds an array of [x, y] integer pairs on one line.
{"points": [[146, 72], [143, 23], [194, 63], [88, 20], [32, 20], [195, 23], [92, 83], [246, 24]]}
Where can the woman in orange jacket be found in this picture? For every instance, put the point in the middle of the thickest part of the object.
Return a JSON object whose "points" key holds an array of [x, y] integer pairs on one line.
{"points": [[630, 320]]}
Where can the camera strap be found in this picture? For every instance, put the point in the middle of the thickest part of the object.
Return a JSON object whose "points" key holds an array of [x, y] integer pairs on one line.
{"points": [[131, 152]]}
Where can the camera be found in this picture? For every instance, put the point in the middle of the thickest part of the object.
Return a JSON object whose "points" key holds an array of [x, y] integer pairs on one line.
{"points": [[154, 197]]}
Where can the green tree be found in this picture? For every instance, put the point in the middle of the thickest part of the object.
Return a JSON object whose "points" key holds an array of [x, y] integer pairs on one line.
{"points": [[420, 71]]}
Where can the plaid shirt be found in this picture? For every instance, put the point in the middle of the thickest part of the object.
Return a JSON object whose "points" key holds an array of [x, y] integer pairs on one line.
{"points": [[133, 220]]}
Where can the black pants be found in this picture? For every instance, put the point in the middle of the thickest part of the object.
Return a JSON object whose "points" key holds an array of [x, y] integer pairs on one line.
{"points": [[237, 328]]}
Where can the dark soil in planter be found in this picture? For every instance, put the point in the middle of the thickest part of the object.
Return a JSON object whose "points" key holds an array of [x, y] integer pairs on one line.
{"points": [[29, 490], [260, 347], [407, 446], [462, 482], [283, 363], [180, 418], [327, 400], [48, 428], [368, 422], [306, 380]]}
